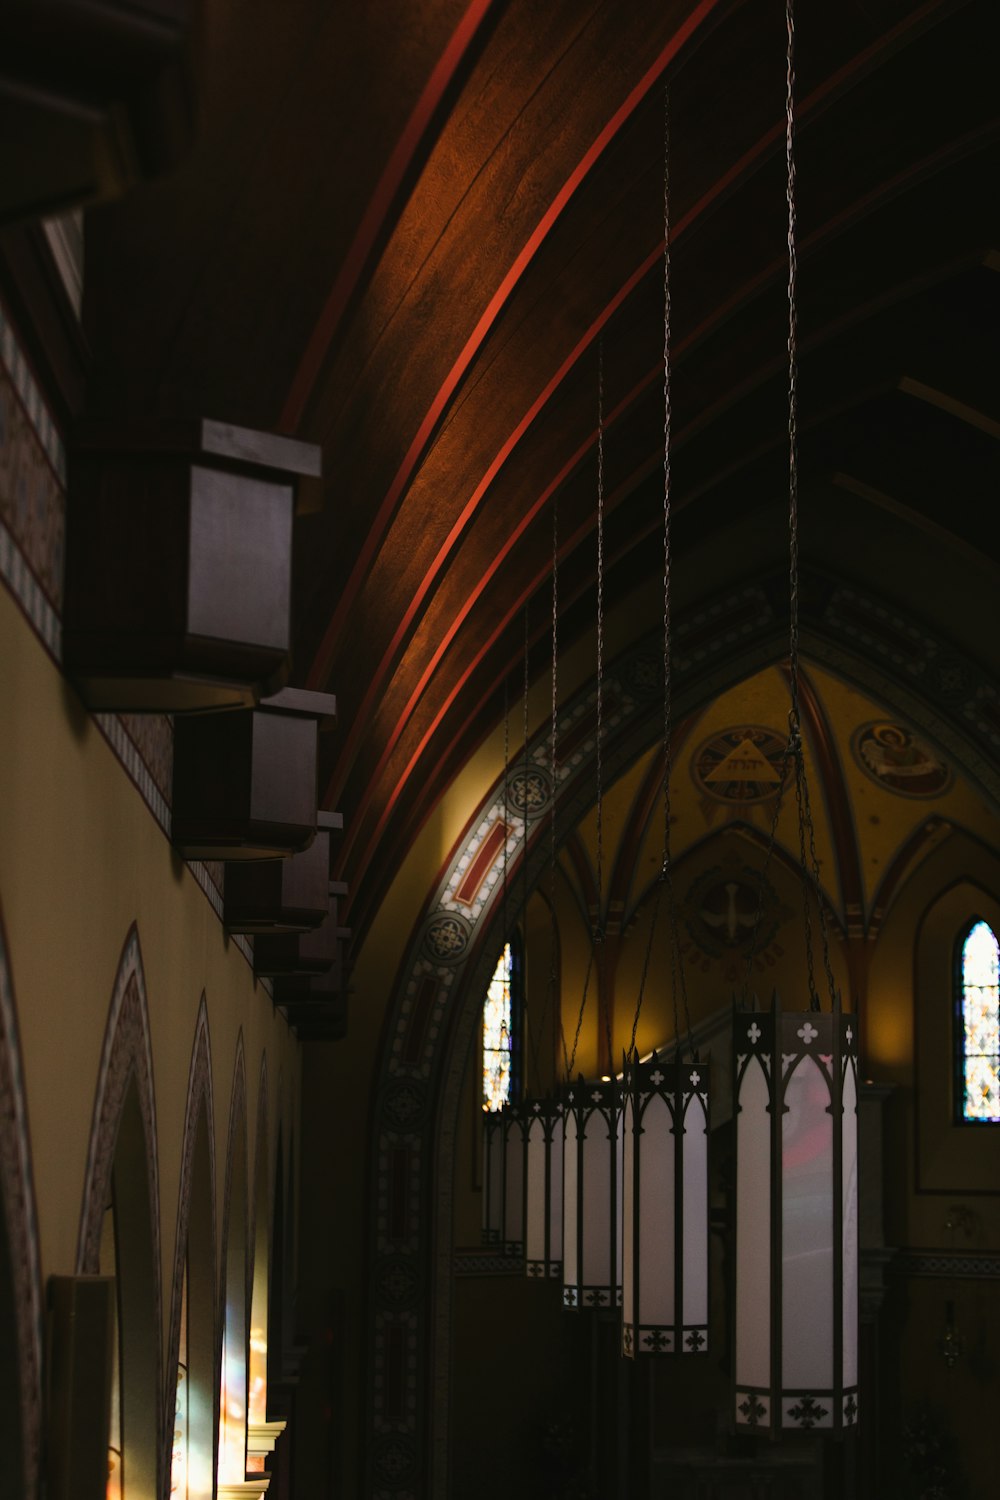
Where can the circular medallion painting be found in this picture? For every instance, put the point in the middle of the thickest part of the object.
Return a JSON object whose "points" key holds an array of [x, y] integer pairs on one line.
{"points": [[529, 790], [447, 937], [895, 758], [740, 765]]}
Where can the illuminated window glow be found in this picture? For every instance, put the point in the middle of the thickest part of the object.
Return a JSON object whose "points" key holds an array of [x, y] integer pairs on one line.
{"points": [[979, 1026], [179, 1451], [232, 1410], [497, 1035]]}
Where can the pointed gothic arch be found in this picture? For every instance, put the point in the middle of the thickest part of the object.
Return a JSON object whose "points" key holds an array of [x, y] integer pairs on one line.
{"points": [[20, 1271], [122, 1180]]}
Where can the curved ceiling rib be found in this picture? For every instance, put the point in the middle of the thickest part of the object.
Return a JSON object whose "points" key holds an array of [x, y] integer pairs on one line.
{"points": [[373, 223], [320, 668], [858, 67], [449, 632]]}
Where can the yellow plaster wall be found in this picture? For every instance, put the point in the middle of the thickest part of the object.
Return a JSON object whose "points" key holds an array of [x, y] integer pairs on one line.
{"points": [[81, 859]]}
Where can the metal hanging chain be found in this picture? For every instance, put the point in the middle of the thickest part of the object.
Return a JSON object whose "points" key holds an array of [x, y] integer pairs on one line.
{"points": [[599, 925], [553, 930], [548, 1004], [678, 977], [807, 837], [792, 753], [597, 931], [525, 1021], [569, 1057], [506, 796]]}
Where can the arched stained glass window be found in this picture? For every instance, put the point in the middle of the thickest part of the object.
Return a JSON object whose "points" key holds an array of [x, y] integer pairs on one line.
{"points": [[499, 1024], [977, 1014]]}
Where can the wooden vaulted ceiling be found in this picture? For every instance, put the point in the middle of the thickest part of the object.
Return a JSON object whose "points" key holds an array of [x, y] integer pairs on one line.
{"points": [[406, 227]]}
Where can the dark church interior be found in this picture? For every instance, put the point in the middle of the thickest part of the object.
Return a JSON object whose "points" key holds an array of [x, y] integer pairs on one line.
{"points": [[498, 582]]}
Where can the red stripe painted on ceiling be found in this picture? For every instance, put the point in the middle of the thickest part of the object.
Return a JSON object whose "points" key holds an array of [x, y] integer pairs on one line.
{"points": [[480, 867], [375, 686], [811, 106], [464, 612], [321, 664], [515, 609], [378, 211]]}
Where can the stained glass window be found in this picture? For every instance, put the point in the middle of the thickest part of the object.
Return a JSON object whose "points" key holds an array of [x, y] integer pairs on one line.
{"points": [[179, 1450], [498, 1034], [978, 1025]]}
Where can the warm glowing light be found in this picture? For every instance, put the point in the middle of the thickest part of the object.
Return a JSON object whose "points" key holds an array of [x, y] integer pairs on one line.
{"points": [[497, 1035], [232, 1425], [981, 1025]]}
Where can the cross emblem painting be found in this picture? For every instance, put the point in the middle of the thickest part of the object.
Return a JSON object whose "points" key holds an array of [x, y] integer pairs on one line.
{"points": [[808, 1033], [754, 1033], [597, 1096], [656, 1078], [850, 1034], [695, 1079]]}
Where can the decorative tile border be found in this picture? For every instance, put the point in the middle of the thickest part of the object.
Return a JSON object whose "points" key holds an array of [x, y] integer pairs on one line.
{"points": [[949, 1264], [15, 362], [486, 1263], [29, 594], [18, 1202]]}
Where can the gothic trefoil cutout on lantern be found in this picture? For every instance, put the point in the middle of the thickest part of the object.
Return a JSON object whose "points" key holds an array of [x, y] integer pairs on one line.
{"points": [[665, 1208], [796, 1308]]}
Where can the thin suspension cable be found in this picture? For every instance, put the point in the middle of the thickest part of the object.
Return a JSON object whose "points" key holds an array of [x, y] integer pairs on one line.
{"points": [[568, 1056], [599, 933], [553, 767], [599, 926], [525, 1017], [678, 977], [794, 752], [506, 801]]}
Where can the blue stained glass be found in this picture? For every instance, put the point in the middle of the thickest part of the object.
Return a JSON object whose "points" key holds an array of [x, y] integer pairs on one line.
{"points": [[980, 1032]]}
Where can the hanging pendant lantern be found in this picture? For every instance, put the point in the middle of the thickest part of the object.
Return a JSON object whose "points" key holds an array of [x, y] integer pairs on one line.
{"points": [[543, 1188], [796, 1312], [665, 1251], [592, 1177]]}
